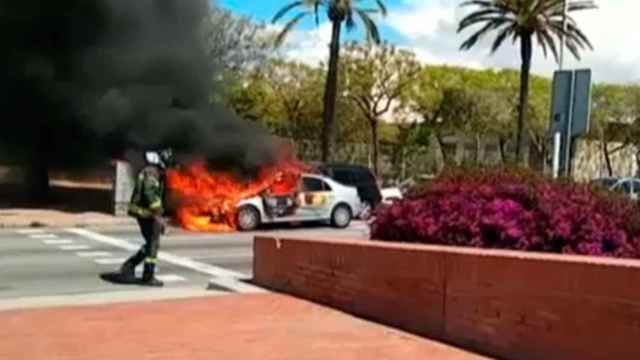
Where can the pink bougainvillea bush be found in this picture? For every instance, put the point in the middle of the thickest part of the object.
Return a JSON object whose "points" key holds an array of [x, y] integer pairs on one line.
{"points": [[513, 209]]}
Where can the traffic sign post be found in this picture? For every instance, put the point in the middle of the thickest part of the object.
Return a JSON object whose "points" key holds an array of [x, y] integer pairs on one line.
{"points": [[570, 114]]}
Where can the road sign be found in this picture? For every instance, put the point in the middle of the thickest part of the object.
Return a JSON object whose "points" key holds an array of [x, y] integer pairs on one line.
{"points": [[570, 112], [581, 117], [561, 100]]}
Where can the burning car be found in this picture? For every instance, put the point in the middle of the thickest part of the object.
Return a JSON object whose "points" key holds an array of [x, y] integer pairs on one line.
{"points": [[213, 201], [318, 199]]}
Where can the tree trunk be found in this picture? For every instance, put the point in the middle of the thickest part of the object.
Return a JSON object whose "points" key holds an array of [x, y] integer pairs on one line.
{"points": [[443, 155], [375, 142], [501, 146], [526, 52], [479, 156], [330, 93], [607, 156], [403, 166]]}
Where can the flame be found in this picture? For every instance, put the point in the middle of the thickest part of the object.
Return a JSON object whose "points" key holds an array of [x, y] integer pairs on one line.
{"points": [[207, 199]]}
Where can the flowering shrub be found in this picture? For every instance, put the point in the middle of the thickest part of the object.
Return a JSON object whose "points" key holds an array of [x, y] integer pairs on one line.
{"points": [[513, 209]]}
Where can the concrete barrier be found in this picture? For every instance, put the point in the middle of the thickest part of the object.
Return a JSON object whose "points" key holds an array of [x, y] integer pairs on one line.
{"points": [[506, 304]]}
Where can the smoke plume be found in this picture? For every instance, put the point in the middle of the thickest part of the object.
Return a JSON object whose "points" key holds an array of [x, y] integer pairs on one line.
{"points": [[97, 77]]}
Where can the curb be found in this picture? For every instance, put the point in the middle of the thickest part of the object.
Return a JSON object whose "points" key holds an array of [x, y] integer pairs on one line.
{"points": [[105, 298], [80, 224]]}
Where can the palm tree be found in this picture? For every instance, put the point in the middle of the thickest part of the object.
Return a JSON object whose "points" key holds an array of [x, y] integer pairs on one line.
{"points": [[523, 20], [339, 12]]}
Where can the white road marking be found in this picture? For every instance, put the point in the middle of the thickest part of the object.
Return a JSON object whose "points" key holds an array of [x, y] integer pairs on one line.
{"points": [[58, 242], [30, 231], [74, 247], [90, 254], [223, 277], [168, 278], [109, 261], [43, 236]]}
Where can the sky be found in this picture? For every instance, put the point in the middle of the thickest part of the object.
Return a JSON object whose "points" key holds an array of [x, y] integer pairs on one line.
{"points": [[428, 27]]}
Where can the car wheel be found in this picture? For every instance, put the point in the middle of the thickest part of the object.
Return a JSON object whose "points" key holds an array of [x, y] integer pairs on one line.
{"points": [[248, 218], [366, 211], [341, 216]]}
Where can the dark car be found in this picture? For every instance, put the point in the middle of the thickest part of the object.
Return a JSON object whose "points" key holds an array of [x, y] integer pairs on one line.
{"points": [[360, 177]]}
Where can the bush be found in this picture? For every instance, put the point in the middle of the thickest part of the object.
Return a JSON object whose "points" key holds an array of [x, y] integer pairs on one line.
{"points": [[513, 209]]}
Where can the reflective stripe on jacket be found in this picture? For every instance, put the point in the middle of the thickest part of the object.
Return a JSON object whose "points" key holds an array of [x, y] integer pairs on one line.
{"points": [[148, 193]]}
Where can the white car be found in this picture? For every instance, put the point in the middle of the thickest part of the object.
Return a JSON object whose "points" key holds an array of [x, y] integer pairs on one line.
{"points": [[320, 199], [391, 194], [628, 186]]}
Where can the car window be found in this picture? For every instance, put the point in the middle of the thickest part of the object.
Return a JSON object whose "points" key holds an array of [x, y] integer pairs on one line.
{"points": [[314, 185], [343, 176], [605, 182], [623, 187], [636, 186], [365, 177]]}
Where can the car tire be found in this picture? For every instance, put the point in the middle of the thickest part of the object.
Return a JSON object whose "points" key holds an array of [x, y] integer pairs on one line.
{"points": [[248, 218], [341, 216]]}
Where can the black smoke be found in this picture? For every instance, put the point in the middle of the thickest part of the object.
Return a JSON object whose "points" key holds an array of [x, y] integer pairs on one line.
{"points": [[83, 80]]}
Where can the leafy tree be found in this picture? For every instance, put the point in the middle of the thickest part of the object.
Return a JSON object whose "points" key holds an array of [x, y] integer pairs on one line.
{"points": [[235, 43], [616, 111], [376, 77], [427, 97], [526, 20], [284, 96], [339, 13]]}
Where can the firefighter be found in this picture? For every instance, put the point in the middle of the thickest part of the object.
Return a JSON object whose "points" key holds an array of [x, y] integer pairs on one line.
{"points": [[147, 206]]}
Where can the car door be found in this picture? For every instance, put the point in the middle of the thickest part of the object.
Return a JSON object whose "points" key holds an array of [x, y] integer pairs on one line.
{"points": [[316, 198]]}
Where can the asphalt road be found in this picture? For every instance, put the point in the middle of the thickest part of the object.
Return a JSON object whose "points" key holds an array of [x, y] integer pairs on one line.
{"points": [[61, 262]]}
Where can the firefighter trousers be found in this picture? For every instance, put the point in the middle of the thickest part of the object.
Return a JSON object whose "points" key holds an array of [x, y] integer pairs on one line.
{"points": [[151, 228]]}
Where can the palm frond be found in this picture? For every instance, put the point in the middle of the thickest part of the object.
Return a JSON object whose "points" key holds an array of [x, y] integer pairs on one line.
{"points": [[382, 7], [287, 28], [316, 12], [474, 17], [370, 26], [504, 33], [282, 12], [473, 39], [547, 38]]}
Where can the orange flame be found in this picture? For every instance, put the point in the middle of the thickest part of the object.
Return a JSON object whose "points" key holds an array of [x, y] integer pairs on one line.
{"points": [[207, 199]]}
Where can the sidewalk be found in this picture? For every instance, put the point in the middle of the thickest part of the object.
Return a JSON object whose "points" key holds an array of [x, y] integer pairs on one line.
{"points": [[247, 327], [21, 218]]}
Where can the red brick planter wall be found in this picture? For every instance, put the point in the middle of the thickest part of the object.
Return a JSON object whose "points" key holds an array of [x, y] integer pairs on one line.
{"points": [[502, 303]]}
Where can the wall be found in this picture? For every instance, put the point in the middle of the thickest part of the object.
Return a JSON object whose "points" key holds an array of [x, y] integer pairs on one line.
{"points": [[589, 162], [500, 303]]}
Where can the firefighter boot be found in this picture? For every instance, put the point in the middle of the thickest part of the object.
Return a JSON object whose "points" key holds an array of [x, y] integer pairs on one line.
{"points": [[127, 270], [148, 277]]}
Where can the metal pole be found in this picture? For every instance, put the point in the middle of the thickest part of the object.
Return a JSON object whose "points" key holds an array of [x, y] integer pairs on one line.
{"points": [[563, 38], [557, 140], [569, 135]]}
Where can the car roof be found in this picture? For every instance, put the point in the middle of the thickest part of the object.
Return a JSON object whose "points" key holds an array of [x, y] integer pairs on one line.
{"points": [[345, 167]]}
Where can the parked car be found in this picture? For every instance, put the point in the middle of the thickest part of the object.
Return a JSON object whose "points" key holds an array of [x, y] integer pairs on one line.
{"points": [[628, 186], [605, 182], [360, 177], [391, 194], [320, 199]]}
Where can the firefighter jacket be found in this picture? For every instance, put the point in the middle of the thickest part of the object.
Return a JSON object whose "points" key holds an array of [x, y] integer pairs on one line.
{"points": [[148, 193]]}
